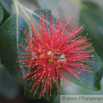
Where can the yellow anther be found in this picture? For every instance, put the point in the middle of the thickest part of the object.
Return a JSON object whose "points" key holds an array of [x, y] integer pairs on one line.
{"points": [[48, 52], [50, 60], [41, 55]]}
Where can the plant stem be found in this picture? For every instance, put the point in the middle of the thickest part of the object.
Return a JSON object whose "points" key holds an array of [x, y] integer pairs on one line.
{"points": [[23, 11]]}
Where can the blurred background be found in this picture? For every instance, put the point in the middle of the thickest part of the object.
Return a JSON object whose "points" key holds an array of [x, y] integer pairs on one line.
{"points": [[85, 12]]}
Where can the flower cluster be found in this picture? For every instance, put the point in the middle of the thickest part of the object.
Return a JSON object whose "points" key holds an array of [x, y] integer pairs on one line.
{"points": [[55, 51]]}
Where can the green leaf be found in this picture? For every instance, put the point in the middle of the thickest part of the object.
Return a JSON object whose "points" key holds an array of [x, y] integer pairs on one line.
{"points": [[9, 41], [92, 79], [48, 4], [9, 53], [10, 38], [6, 14], [92, 19], [54, 94], [7, 5], [1, 14], [37, 12], [47, 16], [9, 87], [29, 95]]}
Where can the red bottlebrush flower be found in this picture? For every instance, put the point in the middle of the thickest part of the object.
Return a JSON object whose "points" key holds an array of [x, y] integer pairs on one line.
{"points": [[53, 52]]}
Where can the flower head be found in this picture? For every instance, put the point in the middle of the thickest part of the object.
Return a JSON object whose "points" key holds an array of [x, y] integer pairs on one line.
{"points": [[55, 51]]}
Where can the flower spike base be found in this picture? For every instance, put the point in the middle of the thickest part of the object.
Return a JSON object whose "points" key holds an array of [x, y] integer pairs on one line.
{"points": [[55, 51]]}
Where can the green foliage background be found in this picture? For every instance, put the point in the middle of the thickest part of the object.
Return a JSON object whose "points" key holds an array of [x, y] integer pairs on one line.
{"points": [[90, 15]]}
